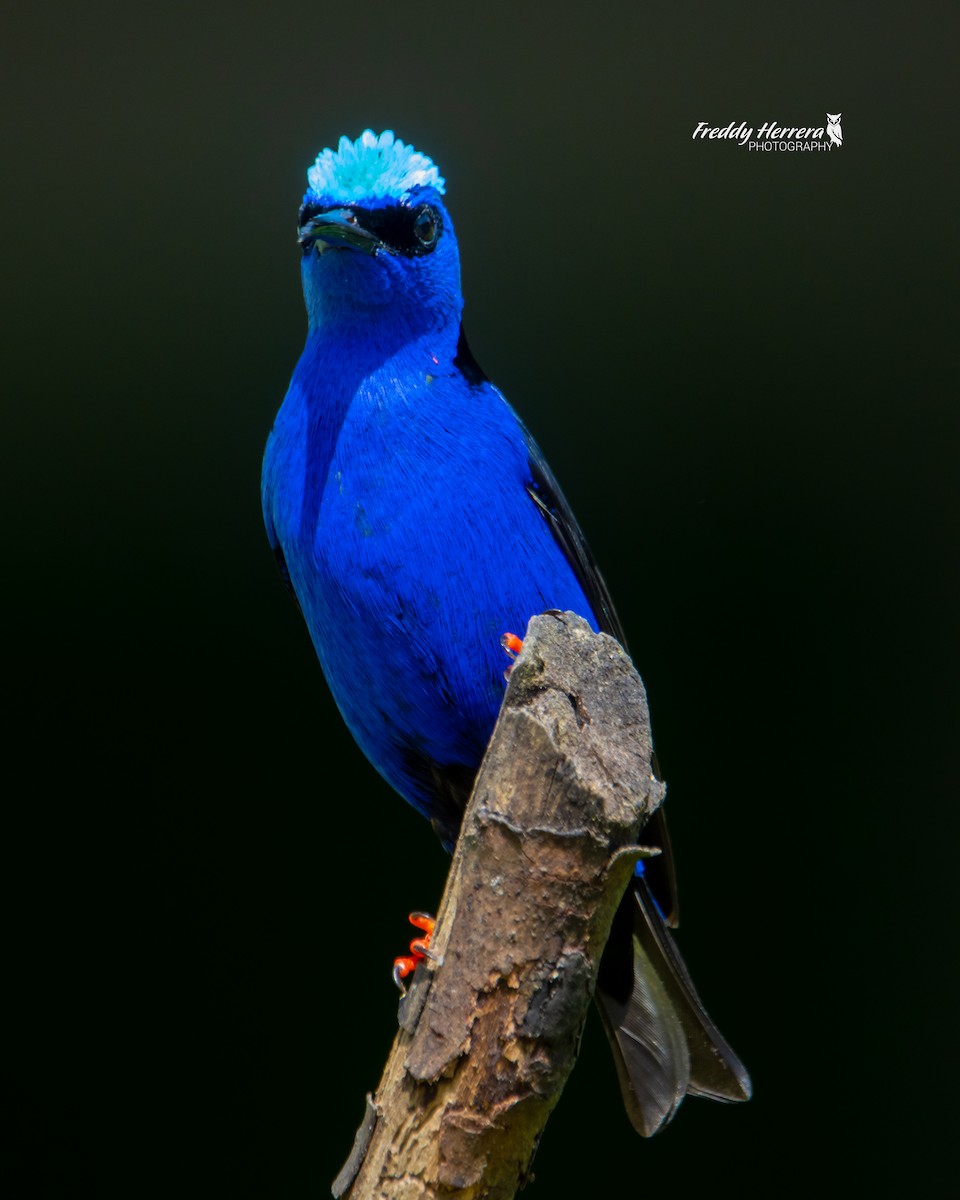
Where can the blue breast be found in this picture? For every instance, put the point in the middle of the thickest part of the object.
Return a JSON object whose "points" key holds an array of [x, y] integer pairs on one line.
{"points": [[412, 543]]}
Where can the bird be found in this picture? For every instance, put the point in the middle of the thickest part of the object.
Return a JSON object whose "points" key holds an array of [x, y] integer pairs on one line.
{"points": [[834, 131], [415, 519]]}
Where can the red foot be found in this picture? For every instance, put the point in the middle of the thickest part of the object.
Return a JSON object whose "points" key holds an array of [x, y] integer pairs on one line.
{"points": [[419, 949], [513, 645]]}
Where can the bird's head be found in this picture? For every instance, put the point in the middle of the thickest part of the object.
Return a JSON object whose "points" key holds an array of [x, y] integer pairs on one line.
{"points": [[376, 238]]}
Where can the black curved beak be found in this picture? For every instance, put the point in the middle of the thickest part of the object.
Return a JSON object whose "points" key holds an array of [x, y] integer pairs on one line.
{"points": [[336, 228]]}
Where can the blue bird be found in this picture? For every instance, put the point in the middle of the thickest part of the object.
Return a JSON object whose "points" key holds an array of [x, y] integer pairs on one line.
{"points": [[415, 520]]}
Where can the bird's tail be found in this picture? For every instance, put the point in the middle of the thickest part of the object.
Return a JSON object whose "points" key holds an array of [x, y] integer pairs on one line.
{"points": [[664, 1043]]}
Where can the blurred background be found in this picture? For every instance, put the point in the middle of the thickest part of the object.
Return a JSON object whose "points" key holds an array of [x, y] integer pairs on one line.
{"points": [[741, 366]]}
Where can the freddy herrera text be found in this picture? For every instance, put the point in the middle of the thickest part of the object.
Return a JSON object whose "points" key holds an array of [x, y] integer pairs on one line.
{"points": [[743, 133]]}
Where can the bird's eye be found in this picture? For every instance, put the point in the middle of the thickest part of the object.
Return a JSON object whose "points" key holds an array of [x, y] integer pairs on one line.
{"points": [[426, 226]]}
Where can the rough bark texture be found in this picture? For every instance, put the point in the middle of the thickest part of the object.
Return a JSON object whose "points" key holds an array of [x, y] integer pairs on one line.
{"points": [[491, 1027]]}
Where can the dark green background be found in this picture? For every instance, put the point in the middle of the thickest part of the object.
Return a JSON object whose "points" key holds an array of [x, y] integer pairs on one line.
{"points": [[742, 368]]}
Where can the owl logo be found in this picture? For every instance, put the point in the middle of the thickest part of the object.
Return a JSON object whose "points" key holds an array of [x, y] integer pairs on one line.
{"points": [[833, 129]]}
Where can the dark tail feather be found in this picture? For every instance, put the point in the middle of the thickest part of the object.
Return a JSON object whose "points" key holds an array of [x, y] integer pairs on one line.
{"points": [[664, 1043], [649, 1045]]}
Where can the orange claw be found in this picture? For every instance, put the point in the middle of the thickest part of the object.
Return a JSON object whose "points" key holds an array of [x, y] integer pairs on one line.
{"points": [[419, 949], [425, 922], [402, 967], [511, 643]]}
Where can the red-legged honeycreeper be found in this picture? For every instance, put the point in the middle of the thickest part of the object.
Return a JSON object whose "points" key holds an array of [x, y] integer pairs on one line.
{"points": [[416, 521]]}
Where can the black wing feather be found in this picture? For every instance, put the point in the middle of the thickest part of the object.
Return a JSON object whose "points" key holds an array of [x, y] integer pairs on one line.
{"points": [[550, 500], [665, 1045]]}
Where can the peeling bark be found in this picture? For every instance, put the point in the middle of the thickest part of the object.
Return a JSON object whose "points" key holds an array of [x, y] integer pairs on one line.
{"points": [[491, 1027]]}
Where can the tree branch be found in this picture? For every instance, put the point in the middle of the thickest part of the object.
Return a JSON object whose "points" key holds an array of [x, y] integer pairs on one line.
{"points": [[491, 1027]]}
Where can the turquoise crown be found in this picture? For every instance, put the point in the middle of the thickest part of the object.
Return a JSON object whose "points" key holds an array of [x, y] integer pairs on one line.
{"points": [[371, 168]]}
